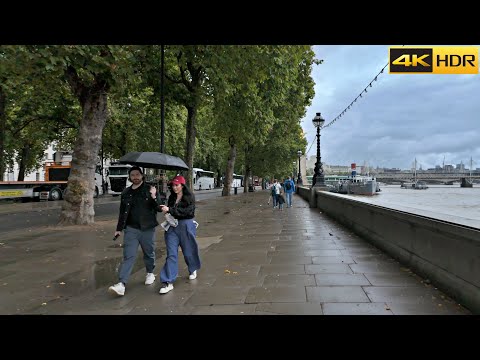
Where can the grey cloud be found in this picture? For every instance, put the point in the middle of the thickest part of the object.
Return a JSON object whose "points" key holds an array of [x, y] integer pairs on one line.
{"points": [[400, 118]]}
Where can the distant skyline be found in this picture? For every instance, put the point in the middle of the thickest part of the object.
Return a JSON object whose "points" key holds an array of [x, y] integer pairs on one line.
{"points": [[402, 117]]}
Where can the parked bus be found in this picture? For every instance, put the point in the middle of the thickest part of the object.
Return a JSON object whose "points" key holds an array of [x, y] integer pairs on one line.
{"points": [[203, 179], [237, 181]]}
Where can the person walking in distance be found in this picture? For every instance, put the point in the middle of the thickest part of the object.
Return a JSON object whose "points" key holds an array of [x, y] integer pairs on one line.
{"points": [[281, 198], [181, 205], [289, 188], [139, 205], [275, 190]]}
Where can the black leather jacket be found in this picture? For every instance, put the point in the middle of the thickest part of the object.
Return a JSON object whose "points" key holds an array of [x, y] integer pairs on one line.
{"points": [[148, 210], [182, 210]]}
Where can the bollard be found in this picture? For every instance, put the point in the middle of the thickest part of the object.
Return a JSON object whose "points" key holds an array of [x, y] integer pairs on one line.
{"points": [[235, 191], [313, 197]]}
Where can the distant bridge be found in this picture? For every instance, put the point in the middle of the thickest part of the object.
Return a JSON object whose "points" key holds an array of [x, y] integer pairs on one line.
{"points": [[427, 177]]}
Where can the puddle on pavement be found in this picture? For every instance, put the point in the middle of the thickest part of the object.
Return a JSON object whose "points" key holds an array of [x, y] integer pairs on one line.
{"points": [[21, 236], [7, 262], [103, 273]]}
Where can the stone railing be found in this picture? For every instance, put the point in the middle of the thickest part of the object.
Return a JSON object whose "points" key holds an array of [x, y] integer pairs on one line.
{"points": [[446, 253]]}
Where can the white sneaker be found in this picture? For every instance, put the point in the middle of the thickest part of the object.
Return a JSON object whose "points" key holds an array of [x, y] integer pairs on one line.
{"points": [[193, 275], [166, 287], [118, 289], [149, 279]]}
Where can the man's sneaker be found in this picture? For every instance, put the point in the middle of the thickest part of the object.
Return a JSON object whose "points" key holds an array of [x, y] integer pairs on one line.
{"points": [[193, 275], [166, 287], [149, 279], [118, 289]]}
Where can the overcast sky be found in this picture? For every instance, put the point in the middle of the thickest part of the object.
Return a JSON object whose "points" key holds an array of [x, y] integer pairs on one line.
{"points": [[402, 117]]}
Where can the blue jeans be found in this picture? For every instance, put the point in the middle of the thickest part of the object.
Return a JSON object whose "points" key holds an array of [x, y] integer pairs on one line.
{"points": [[183, 235], [275, 200], [132, 238], [288, 196]]}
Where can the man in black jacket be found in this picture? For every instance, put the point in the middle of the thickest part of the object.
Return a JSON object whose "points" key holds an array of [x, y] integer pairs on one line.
{"points": [[139, 205]]}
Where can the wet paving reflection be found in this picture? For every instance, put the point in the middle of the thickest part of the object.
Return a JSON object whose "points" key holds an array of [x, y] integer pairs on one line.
{"points": [[104, 272]]}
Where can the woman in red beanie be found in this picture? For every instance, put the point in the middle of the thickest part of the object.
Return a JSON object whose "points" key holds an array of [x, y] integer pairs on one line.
{"points": [[181, 205]]}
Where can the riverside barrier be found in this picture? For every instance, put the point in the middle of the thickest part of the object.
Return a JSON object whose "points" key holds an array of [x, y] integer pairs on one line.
{"points": [[447, 254]]}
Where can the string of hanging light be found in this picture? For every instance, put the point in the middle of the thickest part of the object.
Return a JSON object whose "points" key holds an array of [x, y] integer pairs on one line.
{"points": [[364, 91]]}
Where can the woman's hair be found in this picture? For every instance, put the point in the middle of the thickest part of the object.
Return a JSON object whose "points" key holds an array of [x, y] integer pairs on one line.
{"points": [[187, 196]]}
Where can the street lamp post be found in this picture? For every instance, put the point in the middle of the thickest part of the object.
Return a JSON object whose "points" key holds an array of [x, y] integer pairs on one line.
{"points": [[162, 186], [299, 178], [318, 178]]}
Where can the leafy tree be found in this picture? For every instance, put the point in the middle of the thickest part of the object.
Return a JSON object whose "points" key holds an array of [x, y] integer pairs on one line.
{"points": [[90, 71], [44, 112], [36, 110], [266, 87], [191, 81], [210, 150], [7, 64]]}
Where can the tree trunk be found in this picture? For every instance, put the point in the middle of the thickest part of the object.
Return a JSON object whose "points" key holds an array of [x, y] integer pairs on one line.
{"points": [[23, 160], [124, 142], [248, 169], [227, 184], [191, 134], [247, 182], [219, 175], [3, 121], [78, 205]]}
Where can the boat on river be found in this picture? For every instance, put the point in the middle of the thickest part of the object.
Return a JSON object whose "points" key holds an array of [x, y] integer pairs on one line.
{"points": [[415, 184], [357, 184]]}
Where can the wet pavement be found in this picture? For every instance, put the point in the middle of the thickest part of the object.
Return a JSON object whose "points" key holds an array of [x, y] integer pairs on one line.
{"points": [[255, 260]]}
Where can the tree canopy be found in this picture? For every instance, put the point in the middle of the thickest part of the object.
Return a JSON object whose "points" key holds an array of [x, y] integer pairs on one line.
{"points": [[228, 108]]}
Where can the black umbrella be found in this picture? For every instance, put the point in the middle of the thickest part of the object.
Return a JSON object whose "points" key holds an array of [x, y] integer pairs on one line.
{"points": [[156, 160]]}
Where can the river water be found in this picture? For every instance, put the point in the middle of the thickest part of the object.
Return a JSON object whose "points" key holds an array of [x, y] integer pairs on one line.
{"points": [[449, 203]]}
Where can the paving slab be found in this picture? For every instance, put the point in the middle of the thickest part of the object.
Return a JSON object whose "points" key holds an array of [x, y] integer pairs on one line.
{"points": [[255, 260]]}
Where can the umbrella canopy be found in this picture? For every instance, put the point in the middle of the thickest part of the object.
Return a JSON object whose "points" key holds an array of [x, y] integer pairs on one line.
{"points": [[156, 160]]}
